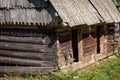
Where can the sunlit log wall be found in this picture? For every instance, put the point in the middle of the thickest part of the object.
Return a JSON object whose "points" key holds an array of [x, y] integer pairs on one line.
{"points": [[64, 49], [86, 43]]}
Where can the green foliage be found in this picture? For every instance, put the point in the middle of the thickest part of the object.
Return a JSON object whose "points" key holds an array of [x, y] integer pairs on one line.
{"points": [[118, 2]]}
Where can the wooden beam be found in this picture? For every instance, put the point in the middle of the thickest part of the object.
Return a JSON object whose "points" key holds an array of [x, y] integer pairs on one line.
{"points": [[27, 47], [15, 70], [26, 62], [28, 55], [32, 40]]}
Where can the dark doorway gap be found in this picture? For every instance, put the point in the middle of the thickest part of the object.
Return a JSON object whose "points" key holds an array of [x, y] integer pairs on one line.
{"points": [[98, 39], [75, 45]]}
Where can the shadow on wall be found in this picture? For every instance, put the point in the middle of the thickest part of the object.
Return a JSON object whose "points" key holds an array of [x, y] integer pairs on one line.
{"points": [[46, 7]]}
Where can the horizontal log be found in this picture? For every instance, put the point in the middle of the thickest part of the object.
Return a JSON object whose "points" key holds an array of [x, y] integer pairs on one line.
{"points": [[33, 40], [27, 47], [26, 62], [29, 55], [24, 70], [65, 49], [65, 44]]}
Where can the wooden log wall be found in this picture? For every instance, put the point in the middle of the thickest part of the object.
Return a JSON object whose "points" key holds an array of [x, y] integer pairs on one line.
{"points": [[117, 32], [26, 47], [108, 45], [64, 49], [106, 39], [86, 43], [112, 37]]}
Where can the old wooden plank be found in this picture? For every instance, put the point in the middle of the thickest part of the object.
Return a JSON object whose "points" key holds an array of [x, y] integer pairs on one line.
{"points": [[24, 70], [64, 60], [89, 49], [34, 40], [65, 50], [68, 8], [3, 3], [7, 16], [67, 43], [27, 47], [31, 16], [112, 9], [29, 55], [100, 7], [2, 17], [26, 62], [12, 3], [86, 12], [26, 3]]}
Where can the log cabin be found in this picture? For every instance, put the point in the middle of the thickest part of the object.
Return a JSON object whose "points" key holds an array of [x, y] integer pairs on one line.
{"points": [[50, 35]]}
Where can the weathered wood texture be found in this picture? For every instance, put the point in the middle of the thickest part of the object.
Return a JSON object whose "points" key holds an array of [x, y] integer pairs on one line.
{"points": [[25, 47], [22, 3], [16, 70], [86, 11], [27, 62], [117, 32], [107, 42], [28, 47], [111, 44], [64, 49], [42, 12], [33, 40], [86, 15], [27, 12], [113, 11], [107, 9], [29, 55], [86, 43]]}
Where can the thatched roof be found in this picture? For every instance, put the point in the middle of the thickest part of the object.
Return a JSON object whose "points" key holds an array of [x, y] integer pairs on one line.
{"points": [[73, 12]]}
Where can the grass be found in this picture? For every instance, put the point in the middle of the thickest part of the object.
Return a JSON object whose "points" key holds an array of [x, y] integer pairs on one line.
{"points": [[106, 70]]}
